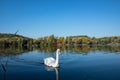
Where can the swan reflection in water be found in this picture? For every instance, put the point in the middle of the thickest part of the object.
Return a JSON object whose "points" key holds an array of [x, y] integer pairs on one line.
{"points": [[56, 69]]}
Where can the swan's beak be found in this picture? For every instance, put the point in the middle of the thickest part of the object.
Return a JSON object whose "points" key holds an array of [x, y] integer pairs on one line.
{"points": [[59, 52]]}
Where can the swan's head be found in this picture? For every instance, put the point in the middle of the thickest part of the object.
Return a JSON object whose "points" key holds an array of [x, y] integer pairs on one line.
{"points": [[58, 51]]}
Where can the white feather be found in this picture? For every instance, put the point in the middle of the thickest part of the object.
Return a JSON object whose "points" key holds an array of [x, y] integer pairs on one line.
{"points": [[51, 61]]}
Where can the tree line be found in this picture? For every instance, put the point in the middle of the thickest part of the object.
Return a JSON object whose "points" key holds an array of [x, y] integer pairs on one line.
{"points": [[48, 49], [77, 41], [8, 40]]}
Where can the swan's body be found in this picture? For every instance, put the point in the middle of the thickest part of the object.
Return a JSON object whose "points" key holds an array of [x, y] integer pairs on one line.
{"points": [[51, 61]]}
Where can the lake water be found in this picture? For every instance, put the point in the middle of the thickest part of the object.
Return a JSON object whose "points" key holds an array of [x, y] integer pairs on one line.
{"points": [[76, 63]]}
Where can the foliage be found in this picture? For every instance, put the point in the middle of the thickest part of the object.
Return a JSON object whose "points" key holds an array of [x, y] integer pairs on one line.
{"points": [[8, 40]]}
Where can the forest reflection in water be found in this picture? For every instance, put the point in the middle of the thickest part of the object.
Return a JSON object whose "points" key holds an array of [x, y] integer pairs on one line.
{"points": [[13, 63], [49, 49]]}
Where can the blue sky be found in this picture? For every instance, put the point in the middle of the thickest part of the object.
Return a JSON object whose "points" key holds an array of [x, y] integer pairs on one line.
{"points": [[38, 18]]}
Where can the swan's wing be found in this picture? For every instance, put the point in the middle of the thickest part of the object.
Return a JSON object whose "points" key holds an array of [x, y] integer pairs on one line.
{"points": [[49, 60]]}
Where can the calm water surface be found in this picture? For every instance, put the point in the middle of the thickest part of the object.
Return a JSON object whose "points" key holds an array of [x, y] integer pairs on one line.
{"points": [[75, 64]]}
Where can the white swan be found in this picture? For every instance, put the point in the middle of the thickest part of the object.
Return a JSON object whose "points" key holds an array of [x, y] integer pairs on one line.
{"points": [[51, 61]]}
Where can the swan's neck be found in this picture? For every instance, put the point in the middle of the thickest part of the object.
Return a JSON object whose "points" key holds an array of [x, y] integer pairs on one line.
{"points": [[57, 59]]}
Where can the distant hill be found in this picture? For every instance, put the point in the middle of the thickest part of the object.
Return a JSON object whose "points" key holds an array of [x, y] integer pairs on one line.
{"points": [[7, 39], [8, 35], [14, 40], [81, 36]]}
